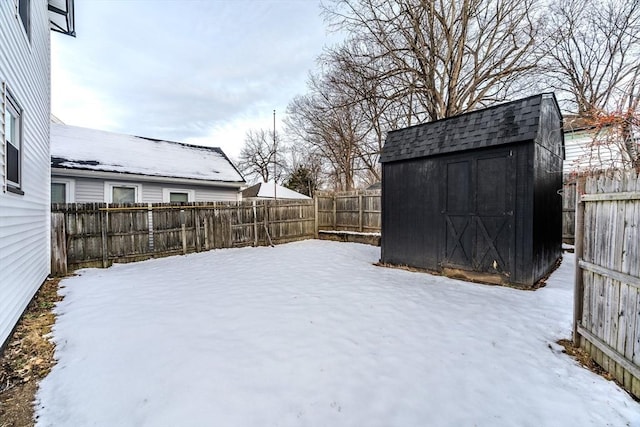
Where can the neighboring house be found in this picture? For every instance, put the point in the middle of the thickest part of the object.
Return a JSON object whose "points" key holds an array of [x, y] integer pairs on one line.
{"points": [[269, 191], [25, 106], [90, 165], [588, 148]]}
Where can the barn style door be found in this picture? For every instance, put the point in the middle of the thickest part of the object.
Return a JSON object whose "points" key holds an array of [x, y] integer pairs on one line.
{"points": [[478, 213]]}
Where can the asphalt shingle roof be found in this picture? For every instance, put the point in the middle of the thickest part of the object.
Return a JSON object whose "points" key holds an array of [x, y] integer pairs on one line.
{"points": [[501, 124]]}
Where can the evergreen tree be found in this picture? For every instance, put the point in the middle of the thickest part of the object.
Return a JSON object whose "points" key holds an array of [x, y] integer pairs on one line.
{"points": [[302, 181]]}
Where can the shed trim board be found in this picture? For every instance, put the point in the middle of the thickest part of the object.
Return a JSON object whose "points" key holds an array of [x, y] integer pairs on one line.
{"points": [[477, 192]]}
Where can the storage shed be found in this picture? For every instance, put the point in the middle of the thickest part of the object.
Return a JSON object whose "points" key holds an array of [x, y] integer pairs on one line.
{"points": [[477, 195]]}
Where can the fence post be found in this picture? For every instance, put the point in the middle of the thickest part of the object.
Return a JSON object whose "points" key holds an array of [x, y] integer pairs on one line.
{"points": [[335, 226], [233, 220], [360, 212], [315, 216], [58, 244], [255, 223], [105, 243], [196, 221], [184, 231], [207, 245], [578, 294], [150, 222]]}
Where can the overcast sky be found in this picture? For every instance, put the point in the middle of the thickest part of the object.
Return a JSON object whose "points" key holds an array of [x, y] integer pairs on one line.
{"points": [[196, 71]]}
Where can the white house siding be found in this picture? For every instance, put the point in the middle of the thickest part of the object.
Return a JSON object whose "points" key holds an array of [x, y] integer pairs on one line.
{"points": [[91, 190], [88, 190], [219, 194], [582, 155], [151, 193], [24, 219], [577, 151]]}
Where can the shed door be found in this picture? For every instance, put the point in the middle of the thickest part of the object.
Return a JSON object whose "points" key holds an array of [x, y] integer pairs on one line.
{"points": [[478, 213]]}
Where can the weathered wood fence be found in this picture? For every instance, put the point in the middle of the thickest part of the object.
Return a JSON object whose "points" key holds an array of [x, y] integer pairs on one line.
{"points": [[607, 294], [568, 211], [97, 234], [357, 211], [360, 211]]}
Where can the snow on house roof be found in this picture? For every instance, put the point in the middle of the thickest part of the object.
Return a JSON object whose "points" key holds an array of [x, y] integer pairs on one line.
{"points": [[89, 149], [266, 190]]}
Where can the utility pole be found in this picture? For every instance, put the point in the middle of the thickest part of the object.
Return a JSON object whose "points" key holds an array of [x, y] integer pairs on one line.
{"points": [[275, 157]]}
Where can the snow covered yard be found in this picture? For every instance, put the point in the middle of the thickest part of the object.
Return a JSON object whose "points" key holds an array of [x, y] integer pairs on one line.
{"points": [[312, 334]]}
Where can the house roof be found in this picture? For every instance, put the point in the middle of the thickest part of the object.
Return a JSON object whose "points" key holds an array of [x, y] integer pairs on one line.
{"points": [[265, 190], [95, 150], [512, 122]]}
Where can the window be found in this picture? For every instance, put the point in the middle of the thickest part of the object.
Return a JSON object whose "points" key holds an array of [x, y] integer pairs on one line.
{"points": [[177, 195], [62, 190], [122, 192], [58, 192], [13, 144], [24, 10]]}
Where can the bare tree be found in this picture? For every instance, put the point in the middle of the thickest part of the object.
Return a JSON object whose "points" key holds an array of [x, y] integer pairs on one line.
{"points": [[329, 130], [259, 155], [592, 59], [592, 54], [448, 56], [361, 90], [404, 62]]}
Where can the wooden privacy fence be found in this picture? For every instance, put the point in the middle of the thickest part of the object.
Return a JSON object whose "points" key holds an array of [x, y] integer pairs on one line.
{"points": [[568, 211], [357, 211], [97, 234], [607, 293]]}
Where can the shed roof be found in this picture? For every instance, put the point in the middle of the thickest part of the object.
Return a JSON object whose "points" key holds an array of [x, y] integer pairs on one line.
{"points": [[507, 123], [89, 149]]}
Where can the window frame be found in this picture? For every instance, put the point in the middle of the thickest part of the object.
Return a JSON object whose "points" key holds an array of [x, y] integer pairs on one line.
{"points": [[12, 107], [26, 26], [110, 185], [166, 194], [69, 191]]}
